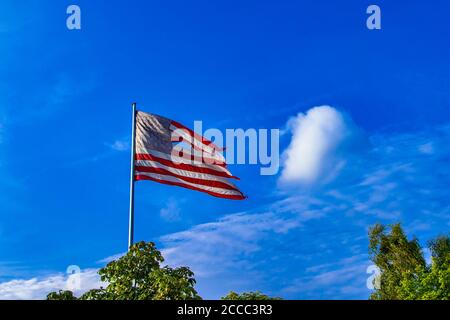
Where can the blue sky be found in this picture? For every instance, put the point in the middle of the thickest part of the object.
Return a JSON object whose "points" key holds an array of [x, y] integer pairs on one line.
{"points": [[65, 119]]}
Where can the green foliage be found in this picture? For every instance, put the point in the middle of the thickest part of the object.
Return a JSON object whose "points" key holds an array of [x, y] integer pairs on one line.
{"points": [[426, 284], [173, 284], [139, 276], [256, 295], [61, 295], [97, 294], [440, 250], [404, 273]]}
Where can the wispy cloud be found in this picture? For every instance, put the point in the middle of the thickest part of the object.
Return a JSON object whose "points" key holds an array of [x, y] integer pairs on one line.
{"points": [[108, 150], [233, 235], [38, 288], [43, 100], [341, 279], [62, 91], [171, 212], [122, 144]]}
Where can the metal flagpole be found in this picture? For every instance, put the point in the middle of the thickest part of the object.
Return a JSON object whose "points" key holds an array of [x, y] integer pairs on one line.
{"points": [[133, 152]]}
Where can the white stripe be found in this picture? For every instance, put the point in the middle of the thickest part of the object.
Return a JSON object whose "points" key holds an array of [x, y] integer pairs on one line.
{"points": [[164, 177], [184, 173], [179, 160], [206, 157]]}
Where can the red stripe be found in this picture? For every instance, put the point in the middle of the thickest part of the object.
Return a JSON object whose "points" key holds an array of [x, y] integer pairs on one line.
{"points": [[183, 166], [204, 182], [196, 136], [218, 195]]}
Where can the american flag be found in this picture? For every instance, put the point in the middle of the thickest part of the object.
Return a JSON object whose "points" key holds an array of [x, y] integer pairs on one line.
{"points": [[199, 167]]}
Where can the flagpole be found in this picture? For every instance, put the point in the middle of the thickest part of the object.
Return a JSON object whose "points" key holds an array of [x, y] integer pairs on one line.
{"points": [[133, 152]]}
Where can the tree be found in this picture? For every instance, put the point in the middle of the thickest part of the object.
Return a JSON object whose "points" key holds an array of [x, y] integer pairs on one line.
{"points": [[139, 276], [432, 282], [440, 250], [404, 274], [61, 295], [252, 295]]}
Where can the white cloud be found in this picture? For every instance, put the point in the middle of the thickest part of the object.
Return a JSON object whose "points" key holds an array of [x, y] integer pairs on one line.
{"points": [[59, 94], [427, 148], [317, 138], [171, 212], [346, 277], [121, 145], [111, 258], [233, 235], [38, 288]]}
